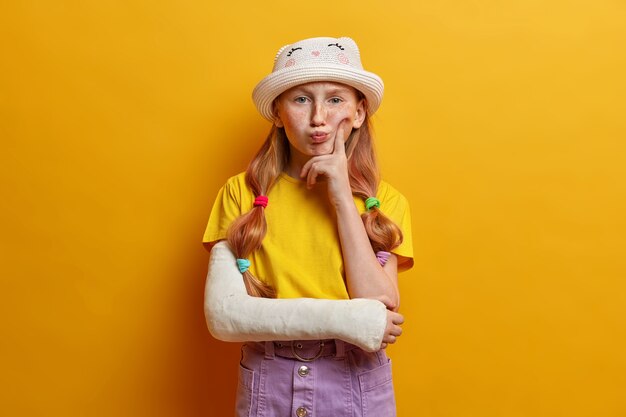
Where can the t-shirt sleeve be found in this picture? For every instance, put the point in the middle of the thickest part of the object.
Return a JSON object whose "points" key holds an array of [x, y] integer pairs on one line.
{"points": [[226, 209], [395, 206]]}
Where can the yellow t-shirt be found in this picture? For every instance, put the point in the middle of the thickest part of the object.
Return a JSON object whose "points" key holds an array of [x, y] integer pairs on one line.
{"points": [[301, 253]]}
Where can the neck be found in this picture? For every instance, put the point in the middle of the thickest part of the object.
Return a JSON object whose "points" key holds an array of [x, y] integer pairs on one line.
{"points": [[295, 164]]}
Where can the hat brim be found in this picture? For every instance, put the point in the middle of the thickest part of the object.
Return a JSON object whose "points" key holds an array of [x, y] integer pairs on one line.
{"points": [[270, 87]]}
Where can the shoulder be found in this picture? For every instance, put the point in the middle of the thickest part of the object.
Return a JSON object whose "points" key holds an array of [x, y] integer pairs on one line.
{"points": [[237, 181], [387, 193], [236, 185], [235, 192]]}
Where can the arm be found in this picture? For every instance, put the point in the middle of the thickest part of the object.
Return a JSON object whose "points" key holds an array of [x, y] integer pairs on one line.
{"points": [[233, 315], [365, 278]]}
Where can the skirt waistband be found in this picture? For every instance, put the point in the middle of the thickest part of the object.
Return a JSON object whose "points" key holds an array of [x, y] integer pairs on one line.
{"points": [[303, 350]]}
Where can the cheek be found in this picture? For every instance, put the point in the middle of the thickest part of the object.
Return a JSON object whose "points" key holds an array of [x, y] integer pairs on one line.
{"points": [[298, 119], [295, 118], [339, 114]]}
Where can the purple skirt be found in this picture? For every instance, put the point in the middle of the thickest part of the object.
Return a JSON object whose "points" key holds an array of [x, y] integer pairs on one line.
{"points": [[328, 378]]}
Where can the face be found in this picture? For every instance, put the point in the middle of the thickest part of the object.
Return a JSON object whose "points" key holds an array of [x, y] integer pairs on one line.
{"points": [[311, 113]]}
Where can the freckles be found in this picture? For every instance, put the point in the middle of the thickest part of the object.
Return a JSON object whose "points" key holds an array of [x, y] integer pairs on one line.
{"points": [[297, 117], [299, 114], [342, 113]]}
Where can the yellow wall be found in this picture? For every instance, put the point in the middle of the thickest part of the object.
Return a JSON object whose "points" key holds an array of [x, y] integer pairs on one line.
{"points": [[503, 123]]}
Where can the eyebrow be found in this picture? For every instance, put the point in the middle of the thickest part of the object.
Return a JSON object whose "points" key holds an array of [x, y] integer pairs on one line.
{"points": [[335, 90]]}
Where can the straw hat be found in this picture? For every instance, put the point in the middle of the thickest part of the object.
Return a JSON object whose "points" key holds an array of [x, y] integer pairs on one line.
{"points": [[317, 59]]}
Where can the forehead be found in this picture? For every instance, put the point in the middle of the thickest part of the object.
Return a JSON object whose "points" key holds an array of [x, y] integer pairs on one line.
{"points": [[322, 87]]}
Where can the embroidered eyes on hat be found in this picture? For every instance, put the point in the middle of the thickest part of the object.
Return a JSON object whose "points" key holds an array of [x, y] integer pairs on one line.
{"points": [[317, 59]]}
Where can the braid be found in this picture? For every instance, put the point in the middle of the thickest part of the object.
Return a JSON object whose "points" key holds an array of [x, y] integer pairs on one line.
{"points": [[383, 233], [246, 233]]}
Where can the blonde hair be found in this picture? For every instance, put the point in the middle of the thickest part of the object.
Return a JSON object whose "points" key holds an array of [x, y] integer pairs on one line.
{"points": [[246, 233]]}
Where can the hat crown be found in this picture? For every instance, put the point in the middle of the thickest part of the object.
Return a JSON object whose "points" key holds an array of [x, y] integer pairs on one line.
{"points": [[319, 52]]}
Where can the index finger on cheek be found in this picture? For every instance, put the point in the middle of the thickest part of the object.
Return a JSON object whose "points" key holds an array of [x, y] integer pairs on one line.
{"points": [[340, 143]]}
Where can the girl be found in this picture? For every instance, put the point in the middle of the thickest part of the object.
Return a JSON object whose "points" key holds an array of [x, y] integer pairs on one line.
{"points": [[303, 261]]}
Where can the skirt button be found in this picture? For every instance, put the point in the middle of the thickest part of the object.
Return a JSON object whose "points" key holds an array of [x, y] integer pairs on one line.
{"points": [[303, 370]]}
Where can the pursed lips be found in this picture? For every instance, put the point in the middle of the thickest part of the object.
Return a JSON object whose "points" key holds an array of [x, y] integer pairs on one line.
{"points": [[319, 137]]}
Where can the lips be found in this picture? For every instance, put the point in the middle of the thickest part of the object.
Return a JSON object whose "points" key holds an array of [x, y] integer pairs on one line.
{"points": [[319, 137]]}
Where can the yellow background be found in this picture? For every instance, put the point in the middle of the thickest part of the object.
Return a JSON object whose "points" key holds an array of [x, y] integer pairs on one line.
{"points": [[503, 123]]}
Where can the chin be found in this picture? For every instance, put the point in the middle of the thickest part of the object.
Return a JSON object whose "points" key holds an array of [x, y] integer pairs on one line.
{"points": [[322, 150]]}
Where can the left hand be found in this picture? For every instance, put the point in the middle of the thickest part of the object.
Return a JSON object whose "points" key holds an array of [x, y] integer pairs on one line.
{"points": [[333, 167]]}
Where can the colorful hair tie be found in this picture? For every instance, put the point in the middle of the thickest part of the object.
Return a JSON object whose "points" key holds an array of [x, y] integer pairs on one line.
{"points": [[372, 202], [261, 201], [382, 257], [243, 265]]}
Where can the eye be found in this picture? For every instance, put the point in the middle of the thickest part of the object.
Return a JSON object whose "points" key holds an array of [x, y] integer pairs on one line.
{"points": [[301, 99], [292, 51], [337, 45], [336, 100]]}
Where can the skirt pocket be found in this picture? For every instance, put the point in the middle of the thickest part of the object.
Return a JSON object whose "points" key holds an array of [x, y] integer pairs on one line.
{"points": [[377, 397], [245, 388]]}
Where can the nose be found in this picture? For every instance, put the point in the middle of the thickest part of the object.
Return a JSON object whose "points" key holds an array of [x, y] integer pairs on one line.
{"points": [[318, 117]]}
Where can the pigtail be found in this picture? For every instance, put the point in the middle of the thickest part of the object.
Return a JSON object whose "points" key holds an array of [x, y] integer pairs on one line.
{"points": [[246, 233], [383, 233]]}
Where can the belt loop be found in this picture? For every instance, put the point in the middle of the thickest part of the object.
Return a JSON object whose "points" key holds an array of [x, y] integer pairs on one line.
{"points": [[340, 349], [269, 350]]}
